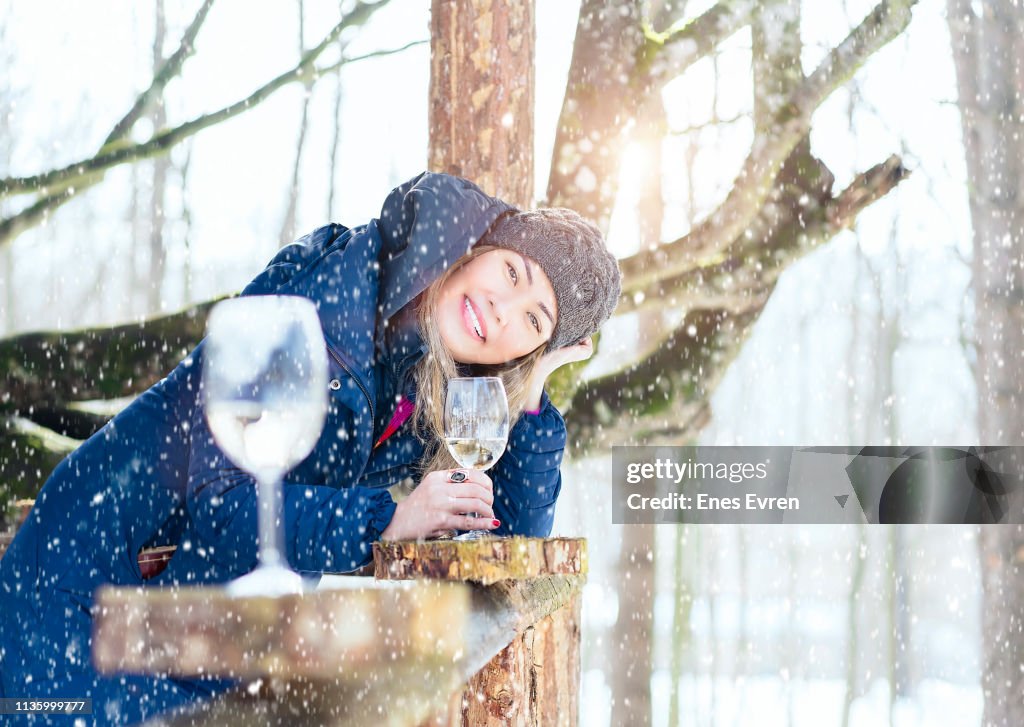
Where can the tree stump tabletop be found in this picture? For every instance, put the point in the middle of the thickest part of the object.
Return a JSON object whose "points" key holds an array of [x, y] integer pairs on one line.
{"points": [[486, 561]]}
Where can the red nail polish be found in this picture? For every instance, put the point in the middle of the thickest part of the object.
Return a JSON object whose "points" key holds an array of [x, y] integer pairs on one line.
{"points": [[495, 523]]}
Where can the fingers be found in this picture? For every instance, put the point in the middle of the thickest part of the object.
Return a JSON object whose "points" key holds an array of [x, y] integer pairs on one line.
{"points": [[467, 522], [460, 505], [470, 490]]}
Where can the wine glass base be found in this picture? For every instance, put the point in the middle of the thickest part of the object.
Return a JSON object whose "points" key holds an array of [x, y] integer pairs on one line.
{"points": [[475, 535], [268, 580]]}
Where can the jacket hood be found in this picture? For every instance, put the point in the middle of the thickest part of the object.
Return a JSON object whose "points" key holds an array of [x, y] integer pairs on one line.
{"points": [[427, 224]]}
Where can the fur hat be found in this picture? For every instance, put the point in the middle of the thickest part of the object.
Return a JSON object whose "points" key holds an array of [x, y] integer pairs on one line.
{"points": [[573, 254]]}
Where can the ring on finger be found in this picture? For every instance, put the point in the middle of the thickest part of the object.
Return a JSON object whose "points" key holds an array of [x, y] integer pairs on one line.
{"points": [[457, 476]]}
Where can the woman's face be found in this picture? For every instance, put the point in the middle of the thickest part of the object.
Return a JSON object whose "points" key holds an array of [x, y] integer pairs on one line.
{"points": [[495, 308]]}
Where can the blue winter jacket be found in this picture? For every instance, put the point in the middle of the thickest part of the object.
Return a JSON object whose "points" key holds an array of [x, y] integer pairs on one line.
{"points": [[153, 475]]}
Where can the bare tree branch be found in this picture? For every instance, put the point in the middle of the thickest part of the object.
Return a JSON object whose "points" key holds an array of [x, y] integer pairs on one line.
{"points": [[13, 226], [97, 363], [28, 453], [366, 56], [674, 51], [287, 233], [169, 70], [163, 140], [710, 239], [50, 200], [738, 284]]}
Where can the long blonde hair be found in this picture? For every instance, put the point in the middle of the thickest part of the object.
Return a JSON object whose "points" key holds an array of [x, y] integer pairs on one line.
{"points": [[437, 366]]}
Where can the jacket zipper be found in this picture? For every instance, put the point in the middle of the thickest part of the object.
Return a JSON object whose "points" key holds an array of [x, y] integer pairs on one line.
{"points": [[369, 401]]}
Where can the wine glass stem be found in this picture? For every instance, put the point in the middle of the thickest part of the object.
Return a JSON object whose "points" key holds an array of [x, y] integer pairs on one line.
{"points": [[269, 503]]}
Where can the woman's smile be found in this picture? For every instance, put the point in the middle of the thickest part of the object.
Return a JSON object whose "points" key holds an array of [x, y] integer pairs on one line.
{"points": [[475, 320]]}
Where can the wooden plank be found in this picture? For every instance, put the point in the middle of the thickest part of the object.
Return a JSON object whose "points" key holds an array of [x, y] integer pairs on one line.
{"points": [[345, 634]]}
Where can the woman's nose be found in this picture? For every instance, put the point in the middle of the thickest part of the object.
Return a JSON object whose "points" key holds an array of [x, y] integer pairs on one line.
{"points": [[498, 310]]}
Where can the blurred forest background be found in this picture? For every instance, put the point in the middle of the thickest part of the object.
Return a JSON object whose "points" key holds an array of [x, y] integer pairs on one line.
{"points": [[837, 267]]}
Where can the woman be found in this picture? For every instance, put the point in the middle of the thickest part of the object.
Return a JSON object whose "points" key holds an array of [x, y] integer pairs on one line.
{"points": [[406, 302]]}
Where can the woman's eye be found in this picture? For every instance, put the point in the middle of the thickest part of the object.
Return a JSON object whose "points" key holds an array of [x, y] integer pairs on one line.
{"points": [[535, 322], [513, 273]]}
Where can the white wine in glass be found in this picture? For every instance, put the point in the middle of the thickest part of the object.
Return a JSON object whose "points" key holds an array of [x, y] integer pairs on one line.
{"points": [[476, 425], [477, 454], [265, 393]]}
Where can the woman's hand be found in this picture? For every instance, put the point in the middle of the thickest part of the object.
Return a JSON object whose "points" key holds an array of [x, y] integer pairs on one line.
{"points": [[579, 351], [437, 505]]}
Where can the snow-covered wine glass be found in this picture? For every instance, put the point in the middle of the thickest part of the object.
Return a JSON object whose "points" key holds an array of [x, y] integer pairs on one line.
{"points": [[265, 393], [476, 425]]}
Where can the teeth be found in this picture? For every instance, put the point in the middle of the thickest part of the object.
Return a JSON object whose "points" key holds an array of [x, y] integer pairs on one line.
{"points": [[476, 321]]}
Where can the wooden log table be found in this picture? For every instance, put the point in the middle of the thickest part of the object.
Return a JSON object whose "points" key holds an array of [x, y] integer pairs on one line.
{"points": [[498, 615]]}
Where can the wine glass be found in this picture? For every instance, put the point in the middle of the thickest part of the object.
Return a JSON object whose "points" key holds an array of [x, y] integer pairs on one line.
{"points": [[476, 425], [265, 393]]}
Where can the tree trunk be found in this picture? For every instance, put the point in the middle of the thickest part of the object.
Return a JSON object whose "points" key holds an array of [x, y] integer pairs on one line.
{"points": [[485, 561], [685, 566], [585, 165], [287, 234], [617, 70], [481, 94], [7, 272], [53, 370], [632, 634], [332, 174], [987, 46], [852, 630], [161, 166]]}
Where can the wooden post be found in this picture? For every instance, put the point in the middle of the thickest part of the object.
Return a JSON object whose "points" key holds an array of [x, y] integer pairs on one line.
{"points": [[535, 678], [481, 94]]}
